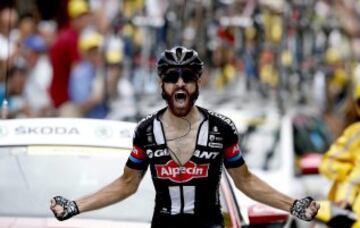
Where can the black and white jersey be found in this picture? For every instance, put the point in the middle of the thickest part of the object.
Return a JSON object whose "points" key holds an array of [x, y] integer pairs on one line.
{"points": [[191, 190]]}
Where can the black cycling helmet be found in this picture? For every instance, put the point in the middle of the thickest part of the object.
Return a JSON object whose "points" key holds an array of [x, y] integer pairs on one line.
{"points": [[180, 56]]}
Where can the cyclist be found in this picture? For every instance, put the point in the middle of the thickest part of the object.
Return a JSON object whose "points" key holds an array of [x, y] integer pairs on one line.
{"points": [[185, 147]]}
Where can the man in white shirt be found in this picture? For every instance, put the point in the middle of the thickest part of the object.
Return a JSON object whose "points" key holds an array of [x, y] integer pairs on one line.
{"points": [[39, 78]]}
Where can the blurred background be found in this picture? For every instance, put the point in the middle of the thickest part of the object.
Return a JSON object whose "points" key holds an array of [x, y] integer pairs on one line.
{"points": [[97, 58], [280, 69]]}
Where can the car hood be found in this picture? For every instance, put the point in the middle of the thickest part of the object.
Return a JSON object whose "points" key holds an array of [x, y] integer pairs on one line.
{"points": [[22, 222]]}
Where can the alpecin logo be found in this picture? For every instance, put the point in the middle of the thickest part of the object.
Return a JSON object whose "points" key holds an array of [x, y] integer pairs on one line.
{"points": [[181, 174]]}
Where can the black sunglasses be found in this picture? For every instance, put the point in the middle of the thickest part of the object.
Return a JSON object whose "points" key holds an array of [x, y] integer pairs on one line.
{"points": [[173, 75]]}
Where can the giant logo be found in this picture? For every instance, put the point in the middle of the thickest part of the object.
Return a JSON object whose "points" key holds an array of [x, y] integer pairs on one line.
{"points": [[225, 119], [180, 174], [157, 153], [205, 154]]}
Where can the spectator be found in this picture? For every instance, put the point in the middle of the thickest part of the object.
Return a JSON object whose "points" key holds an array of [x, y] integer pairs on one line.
{"points": [[8, 47], [39, 78], [12, 91], [26, 26], [64, 52], [119, 90], [341, 165], [86, 88], [47, 30]]}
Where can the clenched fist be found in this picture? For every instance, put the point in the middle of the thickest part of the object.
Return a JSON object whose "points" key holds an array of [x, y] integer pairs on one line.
{"points": [[305, 208], [63, 208]]}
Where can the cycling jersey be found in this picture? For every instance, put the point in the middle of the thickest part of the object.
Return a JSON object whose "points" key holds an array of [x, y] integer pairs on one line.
{"points": [[188, 195]]}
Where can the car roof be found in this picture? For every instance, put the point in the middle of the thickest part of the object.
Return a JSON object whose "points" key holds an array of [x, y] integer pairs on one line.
{"points": [[66, 131]]}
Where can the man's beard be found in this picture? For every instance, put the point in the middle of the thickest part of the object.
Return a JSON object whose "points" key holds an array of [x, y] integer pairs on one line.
{"points": [[189, 101]]}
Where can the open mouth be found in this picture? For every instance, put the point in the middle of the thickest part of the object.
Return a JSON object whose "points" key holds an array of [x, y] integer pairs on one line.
{"points": [[180, 97]]}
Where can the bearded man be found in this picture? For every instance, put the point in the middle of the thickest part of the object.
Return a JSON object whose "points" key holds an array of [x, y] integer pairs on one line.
{"points": [[187, 174]]}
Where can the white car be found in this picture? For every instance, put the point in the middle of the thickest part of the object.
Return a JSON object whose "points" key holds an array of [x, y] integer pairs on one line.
{"points": [[42, 158]]}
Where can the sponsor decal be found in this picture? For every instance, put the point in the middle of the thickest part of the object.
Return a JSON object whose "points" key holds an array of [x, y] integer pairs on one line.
{"points": [[226, 120], [180, 174], [215, 129], [205, 154], [164, 210], [216, 145], [46, 130], [149, 130], [157, 153], [212, 137], [232, 151], [149, 139], [138, 153], [149, 135]]}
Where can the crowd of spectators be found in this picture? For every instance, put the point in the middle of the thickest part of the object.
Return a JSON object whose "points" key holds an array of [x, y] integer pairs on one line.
{"points": [[68, 63], [96, 58]]}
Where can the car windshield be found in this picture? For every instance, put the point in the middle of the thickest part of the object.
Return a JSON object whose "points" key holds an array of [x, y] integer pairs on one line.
{"points": [[31, 175], [260, 143], [259, 134]]}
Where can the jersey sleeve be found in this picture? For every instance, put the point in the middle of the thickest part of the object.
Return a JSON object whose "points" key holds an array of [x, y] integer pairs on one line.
{"points": [[138, 158], [232, 154]]}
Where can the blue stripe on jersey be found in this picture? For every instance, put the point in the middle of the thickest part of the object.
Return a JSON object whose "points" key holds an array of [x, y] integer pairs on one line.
{"points": [[133, 159], [235, 158]]}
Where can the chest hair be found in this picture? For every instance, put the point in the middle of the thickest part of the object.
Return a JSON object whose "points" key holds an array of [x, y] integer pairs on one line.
{"points": [[181, 142]]}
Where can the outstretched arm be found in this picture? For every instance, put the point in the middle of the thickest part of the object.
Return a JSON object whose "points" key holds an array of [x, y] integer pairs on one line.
{"points": [[116, 191], [260, 191]]}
